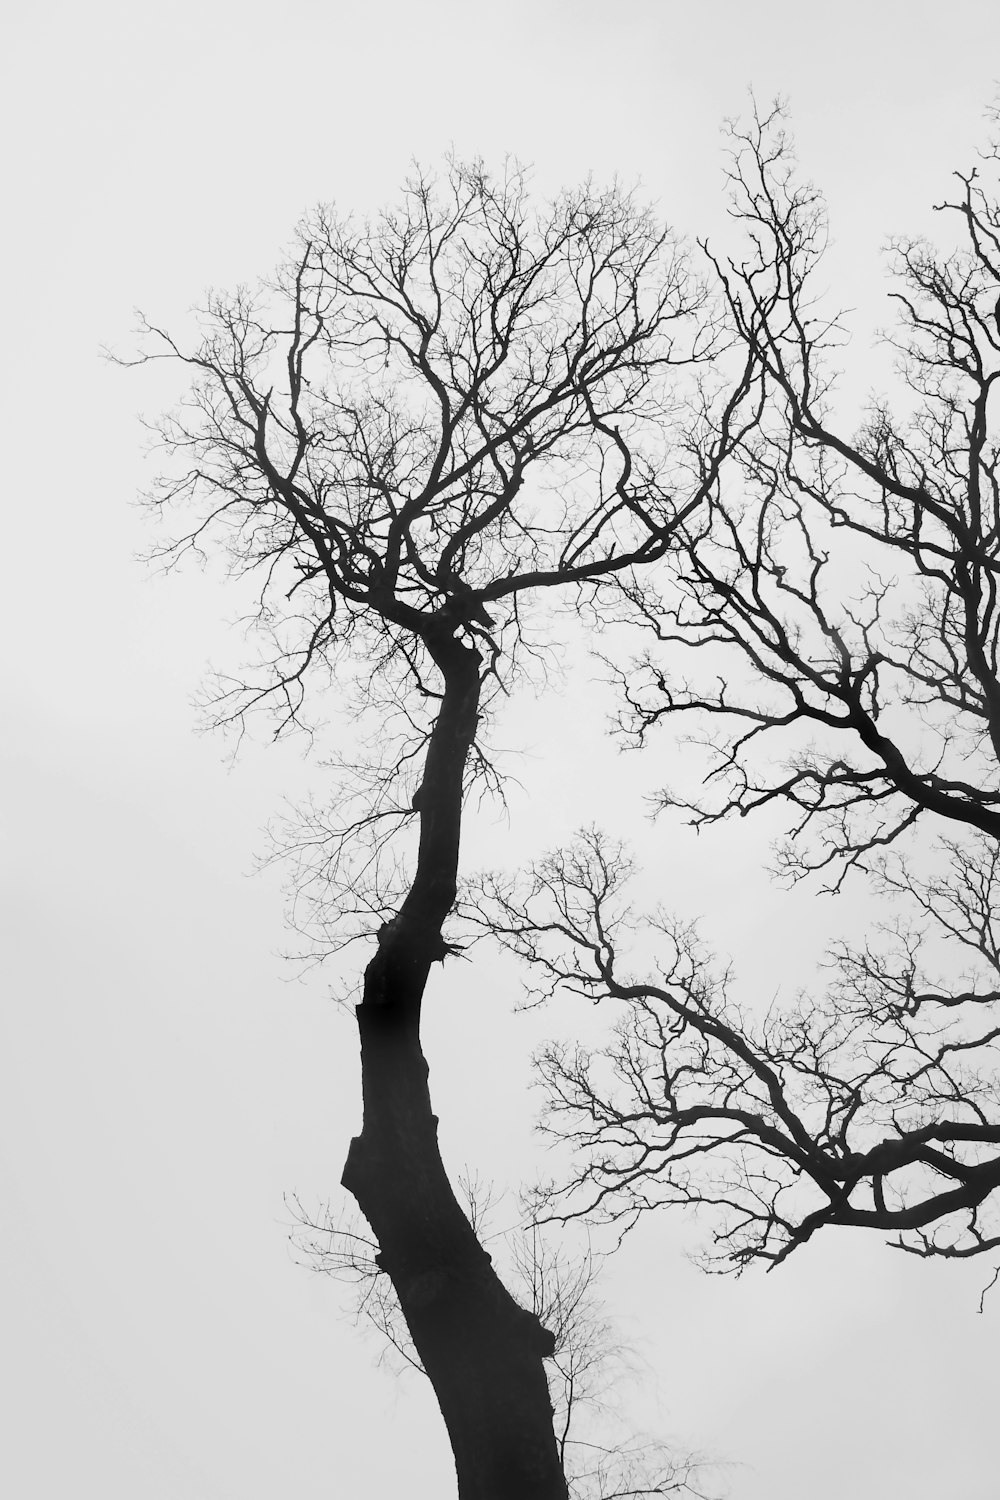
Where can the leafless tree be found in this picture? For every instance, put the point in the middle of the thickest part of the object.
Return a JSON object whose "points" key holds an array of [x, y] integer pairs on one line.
{"points": [[829, 630], [420, 427]]}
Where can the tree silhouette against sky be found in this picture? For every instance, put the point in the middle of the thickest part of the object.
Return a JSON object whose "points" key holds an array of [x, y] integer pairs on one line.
{"points": [[409, 438]]}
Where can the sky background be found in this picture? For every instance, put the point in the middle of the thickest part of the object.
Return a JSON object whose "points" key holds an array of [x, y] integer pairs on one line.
{"points": [[165, 1078]]}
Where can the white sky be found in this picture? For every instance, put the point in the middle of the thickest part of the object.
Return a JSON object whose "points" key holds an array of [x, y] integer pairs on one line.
{"points": [[163, 1079]]}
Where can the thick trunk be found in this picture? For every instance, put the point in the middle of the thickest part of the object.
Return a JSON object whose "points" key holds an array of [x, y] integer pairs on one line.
{"points": [[482, 1352]]}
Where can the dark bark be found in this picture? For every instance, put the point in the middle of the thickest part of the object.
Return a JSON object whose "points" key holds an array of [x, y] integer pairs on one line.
{"points": [[482, 1352]]}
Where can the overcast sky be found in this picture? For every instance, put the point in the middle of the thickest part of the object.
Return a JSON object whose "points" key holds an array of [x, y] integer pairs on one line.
{"points": [[164, 1077]]}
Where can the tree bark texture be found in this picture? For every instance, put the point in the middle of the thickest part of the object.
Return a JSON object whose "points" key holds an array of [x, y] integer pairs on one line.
{"points": [[482, 1352]]}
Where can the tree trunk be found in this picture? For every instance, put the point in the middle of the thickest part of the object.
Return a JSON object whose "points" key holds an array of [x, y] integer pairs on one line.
{"points": [[482, 1352]]}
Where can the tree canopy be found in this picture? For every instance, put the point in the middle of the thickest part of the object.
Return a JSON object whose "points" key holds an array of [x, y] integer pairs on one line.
{"points": [[827, 627]]}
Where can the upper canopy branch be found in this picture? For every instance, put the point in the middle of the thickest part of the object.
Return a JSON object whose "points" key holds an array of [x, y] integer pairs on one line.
{"points": [[852, 1109], [843, 596]]}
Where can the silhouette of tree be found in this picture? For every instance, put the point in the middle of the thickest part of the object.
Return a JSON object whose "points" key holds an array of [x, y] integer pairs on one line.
{"points": [[420, 426]]}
